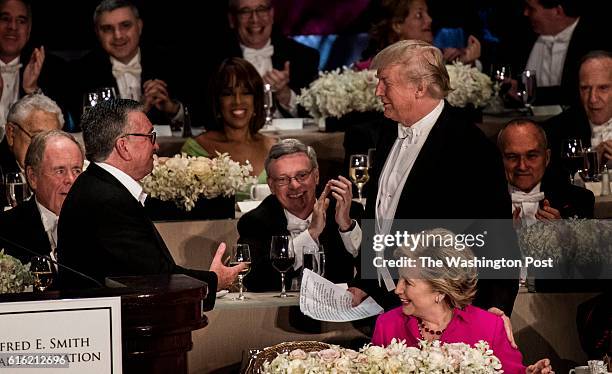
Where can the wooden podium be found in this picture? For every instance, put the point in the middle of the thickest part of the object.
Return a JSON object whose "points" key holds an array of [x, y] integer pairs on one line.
{"points": [[158, 314]]}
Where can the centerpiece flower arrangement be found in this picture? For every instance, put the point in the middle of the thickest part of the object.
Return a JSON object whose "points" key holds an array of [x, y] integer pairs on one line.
{"points": [[574, 241], [431, 357], [341, 91], [14, 276], [470, 86], [184, 179]]}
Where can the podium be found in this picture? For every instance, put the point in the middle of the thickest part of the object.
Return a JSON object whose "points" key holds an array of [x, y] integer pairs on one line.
{"points": [[158, 315]]}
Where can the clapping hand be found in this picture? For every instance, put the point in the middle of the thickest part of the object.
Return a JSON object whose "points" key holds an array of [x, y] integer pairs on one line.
{"points": [[319, 214], [32, 70], [342, 190], [225, 274], [279, 80], [156, 95]]}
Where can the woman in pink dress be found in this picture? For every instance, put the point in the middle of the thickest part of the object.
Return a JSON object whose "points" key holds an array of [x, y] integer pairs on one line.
{"points": [[436, 306]]}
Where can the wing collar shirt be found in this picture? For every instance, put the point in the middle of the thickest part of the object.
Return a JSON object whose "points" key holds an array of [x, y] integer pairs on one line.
{"points": [[130, 184], [403, 154], [10, 89], [128, 77], [529, 202], [49, 221], [261, 59], [601, 133], [547, 56]]}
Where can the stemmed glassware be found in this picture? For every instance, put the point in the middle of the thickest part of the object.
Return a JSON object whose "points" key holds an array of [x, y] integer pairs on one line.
{"points": [[42, 270], [17, 189], [282, 256], [572, 155], [358, 171], [90, 99], [528, 88], [268, 103], [241, 255]]}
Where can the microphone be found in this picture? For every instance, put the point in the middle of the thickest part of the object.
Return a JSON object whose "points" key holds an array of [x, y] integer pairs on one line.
{"points": [[33, 253]]}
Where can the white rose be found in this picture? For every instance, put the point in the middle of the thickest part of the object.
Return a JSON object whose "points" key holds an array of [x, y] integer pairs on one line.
{"points": [[200, 167], [298, 354]]}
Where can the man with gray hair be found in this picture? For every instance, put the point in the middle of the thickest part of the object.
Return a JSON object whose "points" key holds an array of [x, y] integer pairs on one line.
{"points": [[104, 229], [27, 117], [53, 162], [435, 164], [293, 209]]}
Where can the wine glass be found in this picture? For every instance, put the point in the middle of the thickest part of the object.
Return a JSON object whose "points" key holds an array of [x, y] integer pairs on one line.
{"points": [[268, 103], [282, 256], [572, 155], [314, 258], [358, 171], [528, 88], [17, 189], [241, 255], [590, 173], [41, 269], [90, 99]]}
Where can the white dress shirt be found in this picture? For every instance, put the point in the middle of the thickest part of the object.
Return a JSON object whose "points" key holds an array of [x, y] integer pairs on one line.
{"points": [[547, 56], [49, 221], [298, 229], [128, 77], [130, 184], [529, 202], [600, 133], [395, 173], [261, 59], [10, 90]]}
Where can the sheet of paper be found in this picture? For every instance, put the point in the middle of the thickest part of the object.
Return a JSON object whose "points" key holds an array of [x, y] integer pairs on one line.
{"points": [[322, 300]]}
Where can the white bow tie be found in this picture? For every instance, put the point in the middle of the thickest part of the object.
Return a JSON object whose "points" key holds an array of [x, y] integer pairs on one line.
{"points": [[601, 129], [120, 69], [10, 69], [549, 40], [265, 52], [532, 197], [405, 133]]}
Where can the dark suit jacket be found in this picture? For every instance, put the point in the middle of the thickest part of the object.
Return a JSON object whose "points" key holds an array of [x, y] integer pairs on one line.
{"points": [[458, 174], [570, 200], [103, 231], [257, 227], [8, 164], [94, 70], [23, 226]]}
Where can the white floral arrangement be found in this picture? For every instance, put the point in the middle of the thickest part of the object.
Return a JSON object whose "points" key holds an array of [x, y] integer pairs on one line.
{"points": [[14, 276], [184, 179], [469, 86], [431, 357], [574, 240], [341, 91]]}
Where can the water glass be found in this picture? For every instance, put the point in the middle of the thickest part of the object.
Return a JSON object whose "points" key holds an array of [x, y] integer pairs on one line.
{"points": [[17, 190], [314, 259]]}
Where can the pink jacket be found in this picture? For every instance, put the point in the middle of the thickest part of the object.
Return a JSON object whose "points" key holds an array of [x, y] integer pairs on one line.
{"points": [[467, 326]]}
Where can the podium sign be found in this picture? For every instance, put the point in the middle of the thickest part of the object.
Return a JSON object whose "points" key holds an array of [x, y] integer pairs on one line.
{"points": [[61, 336]]}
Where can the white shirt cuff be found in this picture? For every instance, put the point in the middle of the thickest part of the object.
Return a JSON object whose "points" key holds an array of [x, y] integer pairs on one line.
{"points": [[180, 114], [352, 240], [292, 107]]}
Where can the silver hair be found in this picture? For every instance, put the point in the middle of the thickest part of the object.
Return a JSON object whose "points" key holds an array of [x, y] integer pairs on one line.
{"points": [[233, 5], [103, 123], [27, 5], [110, 5], [22, 109], [420, 62], [36, 151], [289, 147]]}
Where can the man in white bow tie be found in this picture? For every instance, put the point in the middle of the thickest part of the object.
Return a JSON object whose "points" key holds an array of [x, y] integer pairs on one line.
{"points": [[283, 63], [137, 73], [294, 209], [591, 121], [525, 153]]}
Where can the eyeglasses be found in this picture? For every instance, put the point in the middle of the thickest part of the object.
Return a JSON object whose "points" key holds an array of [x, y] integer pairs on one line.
{"points": [[246, 13], [300, 177], [152, 136], [23, 130]]}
